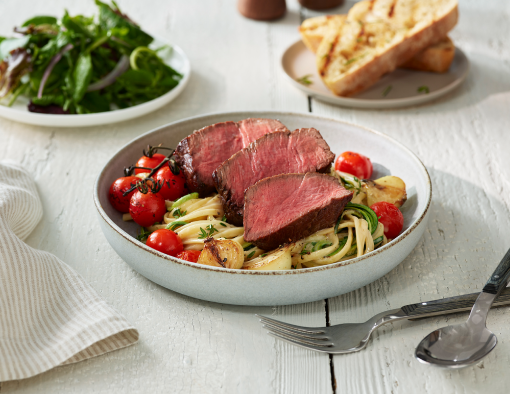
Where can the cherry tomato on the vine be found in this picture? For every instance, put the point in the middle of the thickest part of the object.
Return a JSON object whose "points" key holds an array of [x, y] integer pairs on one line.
{"points": [[189, 255], [390, 216], [173, 185], [355, 164], [165, 241], [117, 189], [147, 208], [149, 162]]}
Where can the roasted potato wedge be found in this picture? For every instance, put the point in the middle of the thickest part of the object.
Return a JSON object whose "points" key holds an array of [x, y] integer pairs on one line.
{"points": [[279, 260], [390, 189], [225, 253]]}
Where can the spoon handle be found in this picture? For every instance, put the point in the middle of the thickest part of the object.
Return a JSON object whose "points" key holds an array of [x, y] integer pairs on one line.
{"points": [[462, 303], [499, 278]]}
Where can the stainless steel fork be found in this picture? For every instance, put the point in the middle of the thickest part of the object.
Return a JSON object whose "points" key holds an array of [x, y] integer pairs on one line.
{"points": [[352, 337]]}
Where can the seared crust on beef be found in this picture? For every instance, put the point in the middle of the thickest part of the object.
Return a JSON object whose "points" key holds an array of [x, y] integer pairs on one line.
{"points": [[303, 150], [289, 207]]}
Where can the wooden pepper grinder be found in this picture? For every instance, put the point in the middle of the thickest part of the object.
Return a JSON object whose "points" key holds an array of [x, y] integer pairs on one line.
{"points": [[320, 4], [262, 10]]}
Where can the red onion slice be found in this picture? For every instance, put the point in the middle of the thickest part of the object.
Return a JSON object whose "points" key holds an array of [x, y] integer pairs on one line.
{"points": [[121, 67], [48, 70]]}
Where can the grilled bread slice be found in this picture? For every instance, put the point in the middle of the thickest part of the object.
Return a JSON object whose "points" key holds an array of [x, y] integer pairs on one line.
{"points": [[436, 58], [313, 30], [378, 36]]}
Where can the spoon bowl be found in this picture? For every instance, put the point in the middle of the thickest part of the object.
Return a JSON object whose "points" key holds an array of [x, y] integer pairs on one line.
{"points": [[465, 344], [456, 346]]}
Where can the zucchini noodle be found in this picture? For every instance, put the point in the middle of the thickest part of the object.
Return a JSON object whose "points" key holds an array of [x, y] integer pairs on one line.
{"points": [[200, 218]]}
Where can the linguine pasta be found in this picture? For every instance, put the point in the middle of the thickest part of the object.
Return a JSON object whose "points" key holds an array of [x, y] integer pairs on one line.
{"points": [[198, 219]]}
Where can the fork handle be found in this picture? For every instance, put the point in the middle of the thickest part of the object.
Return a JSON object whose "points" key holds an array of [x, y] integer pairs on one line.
{"points": [[450, 305]]}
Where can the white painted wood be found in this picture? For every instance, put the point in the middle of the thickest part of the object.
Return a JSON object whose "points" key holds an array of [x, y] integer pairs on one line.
{"points": [[194, 346]]}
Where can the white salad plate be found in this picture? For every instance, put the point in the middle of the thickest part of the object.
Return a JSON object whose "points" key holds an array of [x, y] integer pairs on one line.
{"points": [[174, 57], [401, 88], [243, 287]]}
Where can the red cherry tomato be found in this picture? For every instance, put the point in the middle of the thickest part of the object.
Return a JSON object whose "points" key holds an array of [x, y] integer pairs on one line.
{"points": [[115, 194], [165, 241], [355, 164], [173, 185], [147, 209], [149, 162], [189, 255], [390, 216]]}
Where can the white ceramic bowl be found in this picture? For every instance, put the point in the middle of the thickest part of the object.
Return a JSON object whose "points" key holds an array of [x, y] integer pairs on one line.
{"points": [[271, 287]]}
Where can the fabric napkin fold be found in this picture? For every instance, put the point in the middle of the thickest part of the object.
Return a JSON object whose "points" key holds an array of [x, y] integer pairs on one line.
{"points": [[49, 315]]}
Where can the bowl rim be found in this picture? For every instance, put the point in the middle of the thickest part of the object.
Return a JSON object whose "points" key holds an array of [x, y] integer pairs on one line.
{"points": [[235, 114]]}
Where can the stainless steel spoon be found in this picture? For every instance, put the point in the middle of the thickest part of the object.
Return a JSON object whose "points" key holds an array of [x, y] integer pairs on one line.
{"points": [[467, 343]]}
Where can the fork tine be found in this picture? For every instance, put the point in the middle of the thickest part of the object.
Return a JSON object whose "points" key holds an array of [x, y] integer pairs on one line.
{"points": [[296, 337], [300, 334], [304, 330], [322, 349]]}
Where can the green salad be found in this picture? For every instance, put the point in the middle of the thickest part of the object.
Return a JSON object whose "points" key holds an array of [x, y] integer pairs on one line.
{"points": [[81, 65]]}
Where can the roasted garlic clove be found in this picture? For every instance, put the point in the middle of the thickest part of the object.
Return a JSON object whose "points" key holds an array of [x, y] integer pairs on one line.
{"points": [[390, 189], [225, 253]]}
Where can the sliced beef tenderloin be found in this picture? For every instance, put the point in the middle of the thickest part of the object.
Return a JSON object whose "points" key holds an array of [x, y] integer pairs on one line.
{"points": [[199, 154], [289, 207], [303, 150], [253, 128]]}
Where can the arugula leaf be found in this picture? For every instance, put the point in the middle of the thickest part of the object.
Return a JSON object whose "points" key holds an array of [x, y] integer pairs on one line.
{"points": [[40, 20], [81, 76], [109, 19]]}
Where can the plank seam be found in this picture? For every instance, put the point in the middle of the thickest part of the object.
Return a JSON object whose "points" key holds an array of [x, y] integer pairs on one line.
{"points": [[331, 363]]}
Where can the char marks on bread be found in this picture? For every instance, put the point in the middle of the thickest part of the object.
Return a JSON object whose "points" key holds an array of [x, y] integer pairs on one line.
{"points": [[199, 154], [377, 37], [300, 151], [289, 207]]}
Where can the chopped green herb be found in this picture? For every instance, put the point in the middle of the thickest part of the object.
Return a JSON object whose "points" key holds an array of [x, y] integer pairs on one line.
{"points": [[424, 89], [172, 226], [183, 199], [144, 234], [387, 91], [247, 246], [305, 80], [294, 267], [351, 184], [178, 214], [341, 244], [208, 232], [224, 218], [378, 240], [251, 254], [316, 245], [223, 224], [263, 255]]}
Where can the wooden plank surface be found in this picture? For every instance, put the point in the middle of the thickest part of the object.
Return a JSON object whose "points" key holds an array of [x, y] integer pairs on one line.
{"points": [[193, 346]]}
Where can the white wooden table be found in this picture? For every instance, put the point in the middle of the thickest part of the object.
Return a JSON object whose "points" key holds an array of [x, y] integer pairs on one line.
{"points": [[192, 346]]}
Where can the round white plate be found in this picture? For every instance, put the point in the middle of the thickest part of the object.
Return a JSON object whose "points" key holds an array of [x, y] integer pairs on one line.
{"points": [[243, 287], [397, 89], [175, 58]]}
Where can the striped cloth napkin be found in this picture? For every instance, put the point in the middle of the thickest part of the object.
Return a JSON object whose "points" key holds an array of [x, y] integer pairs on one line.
{"points": [[49, 315]]}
